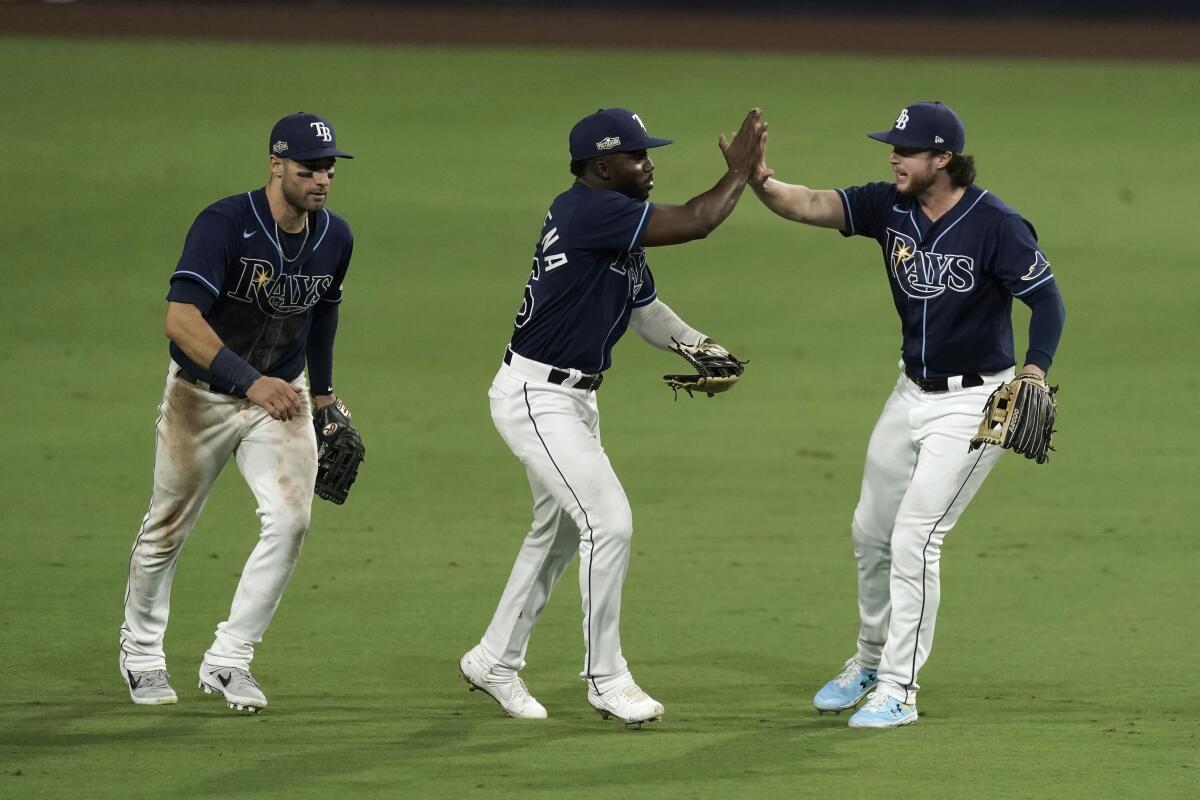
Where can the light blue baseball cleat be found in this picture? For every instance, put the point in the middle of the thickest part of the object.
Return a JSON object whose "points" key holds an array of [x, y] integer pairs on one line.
{"points": [[884, 711], [846, 689]]}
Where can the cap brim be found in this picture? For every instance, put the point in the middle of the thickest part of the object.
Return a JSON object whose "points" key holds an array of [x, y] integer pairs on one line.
{"points": [[892, 138], [898, 139], [643, 144], [324, 152]]}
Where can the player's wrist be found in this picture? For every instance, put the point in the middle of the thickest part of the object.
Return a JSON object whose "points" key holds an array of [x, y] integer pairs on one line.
{"points": [[232, 370]]}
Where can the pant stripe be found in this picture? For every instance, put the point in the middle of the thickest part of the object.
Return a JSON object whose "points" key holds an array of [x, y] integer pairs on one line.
{"points": [[141, 530], [925, 565], [591, 536]]}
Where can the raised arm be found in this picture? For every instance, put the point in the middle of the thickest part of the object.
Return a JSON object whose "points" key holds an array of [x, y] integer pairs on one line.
{"points": [[701, 215], [820, 207]]}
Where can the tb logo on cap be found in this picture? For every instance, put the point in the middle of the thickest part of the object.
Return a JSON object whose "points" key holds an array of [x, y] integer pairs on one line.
{"points": [[902, 120], [323, 131]]}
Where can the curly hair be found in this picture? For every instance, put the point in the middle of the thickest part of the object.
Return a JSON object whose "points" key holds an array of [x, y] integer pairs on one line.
{"points": [[961, 170]]}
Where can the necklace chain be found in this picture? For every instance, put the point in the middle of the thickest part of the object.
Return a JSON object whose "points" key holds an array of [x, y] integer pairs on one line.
{"points": [[279, 242]]}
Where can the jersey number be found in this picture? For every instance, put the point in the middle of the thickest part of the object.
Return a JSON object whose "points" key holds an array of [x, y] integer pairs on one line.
{"points": [[546, 262]]}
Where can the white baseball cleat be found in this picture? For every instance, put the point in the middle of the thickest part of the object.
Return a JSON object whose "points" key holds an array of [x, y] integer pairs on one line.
{"points": [[627, 703], [509, 693], [235, 684], [151, 687]]}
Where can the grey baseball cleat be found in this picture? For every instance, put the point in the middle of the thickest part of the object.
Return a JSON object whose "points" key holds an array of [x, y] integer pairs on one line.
{"points": [[235, 684], [151, 687], [629, 704], [509, 693]]}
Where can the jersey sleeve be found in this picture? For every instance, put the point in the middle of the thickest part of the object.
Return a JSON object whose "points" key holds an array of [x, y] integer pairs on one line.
{"points": [[610, 221], [866, 207], [334, 293], [1020, 264], [207, 250]]}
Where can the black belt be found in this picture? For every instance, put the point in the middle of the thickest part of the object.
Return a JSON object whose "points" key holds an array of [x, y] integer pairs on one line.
{"points": [[942, 384], [589, 383]]}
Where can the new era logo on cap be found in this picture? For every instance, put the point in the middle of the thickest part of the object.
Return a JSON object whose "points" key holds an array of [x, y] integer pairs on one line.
{"points": [[926, 126], [302, 136], [610, 130]]}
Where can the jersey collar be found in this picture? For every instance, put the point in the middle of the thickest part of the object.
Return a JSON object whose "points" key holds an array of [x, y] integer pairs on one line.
{"points": [[260, 209]]}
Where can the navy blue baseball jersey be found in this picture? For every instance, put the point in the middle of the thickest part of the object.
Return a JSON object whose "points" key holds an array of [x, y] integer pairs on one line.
{"points": [[589, 273], [258, 303], [953, 280]]}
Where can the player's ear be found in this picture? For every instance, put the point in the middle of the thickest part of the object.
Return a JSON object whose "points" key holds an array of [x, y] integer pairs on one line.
{"points": [[276, 164], [942, 159], [602, 168]]}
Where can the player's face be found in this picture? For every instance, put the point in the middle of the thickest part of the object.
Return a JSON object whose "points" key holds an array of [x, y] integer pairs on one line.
{"points": [[305, 184], [632, 174], [916, 170]]}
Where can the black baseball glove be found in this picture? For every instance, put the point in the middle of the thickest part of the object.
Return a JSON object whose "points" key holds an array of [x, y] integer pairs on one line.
{"points": [[717, 370], [1020, 415], [339, 452]]}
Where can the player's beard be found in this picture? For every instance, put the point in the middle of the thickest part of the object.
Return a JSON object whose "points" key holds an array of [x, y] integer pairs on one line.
{"points": [[299, 200], [636, 188], [917, 184]]}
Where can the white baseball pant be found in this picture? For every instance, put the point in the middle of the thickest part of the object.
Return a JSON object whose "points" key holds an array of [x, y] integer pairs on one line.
{"points": [[918, 479], [197, 432], [578, 505]]}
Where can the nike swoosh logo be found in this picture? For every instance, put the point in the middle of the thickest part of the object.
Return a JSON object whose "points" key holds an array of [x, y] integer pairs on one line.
{"points": [[248, 234], [134, 682], [224, 679], [894, 208]]}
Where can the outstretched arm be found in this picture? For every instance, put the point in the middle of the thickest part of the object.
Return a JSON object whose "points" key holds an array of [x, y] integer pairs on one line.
{"points": [[820, 207], [701, 215]]}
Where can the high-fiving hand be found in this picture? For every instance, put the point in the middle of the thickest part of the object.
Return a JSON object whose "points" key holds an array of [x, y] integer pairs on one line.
{"points": [[745, 150]]}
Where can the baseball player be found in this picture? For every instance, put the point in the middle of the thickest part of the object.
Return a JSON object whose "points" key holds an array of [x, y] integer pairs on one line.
{"points": [[589, 282], [255, 296], [955, 256]]}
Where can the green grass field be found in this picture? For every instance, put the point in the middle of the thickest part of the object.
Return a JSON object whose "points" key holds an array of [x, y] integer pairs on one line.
{"points": [[1070, 599]]}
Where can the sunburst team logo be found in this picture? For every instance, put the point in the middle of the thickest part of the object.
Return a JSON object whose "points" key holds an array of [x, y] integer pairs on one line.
{"points": [[923, 275], [277, 294]]}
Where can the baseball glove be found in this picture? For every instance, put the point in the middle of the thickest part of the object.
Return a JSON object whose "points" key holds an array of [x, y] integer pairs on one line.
{"points": [[1020, 416], [717, 370], [339, 452]]}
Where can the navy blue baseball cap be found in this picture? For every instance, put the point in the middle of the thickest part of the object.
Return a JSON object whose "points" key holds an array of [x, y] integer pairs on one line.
{"points": [[610, 130], [303, 136], [926, 126]]}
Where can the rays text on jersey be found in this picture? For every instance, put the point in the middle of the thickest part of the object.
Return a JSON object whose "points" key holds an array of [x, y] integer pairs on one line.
{"points": [[277, 294], [922, 274]]}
